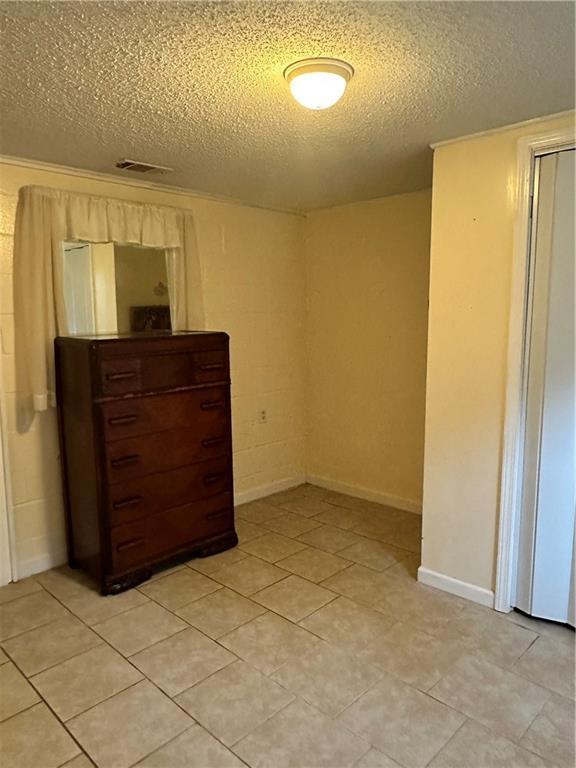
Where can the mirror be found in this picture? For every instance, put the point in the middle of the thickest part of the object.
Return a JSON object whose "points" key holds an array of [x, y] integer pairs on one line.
{"points": [[112, 288]]}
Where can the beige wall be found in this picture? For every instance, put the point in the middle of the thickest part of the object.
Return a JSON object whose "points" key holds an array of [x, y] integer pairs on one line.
{"points": [[367, 272], [254, 285], [104, 275], [473, 208], [137, 272]]}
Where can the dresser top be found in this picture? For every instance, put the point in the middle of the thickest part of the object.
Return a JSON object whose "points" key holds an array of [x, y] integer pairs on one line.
{"points": [[142, 336]]}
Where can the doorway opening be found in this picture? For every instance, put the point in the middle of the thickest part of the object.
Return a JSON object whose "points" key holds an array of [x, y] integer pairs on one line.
{"points": [[535, 570]]}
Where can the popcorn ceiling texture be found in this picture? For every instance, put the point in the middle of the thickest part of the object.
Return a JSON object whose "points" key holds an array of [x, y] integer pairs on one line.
{"points": [[198, 86]]}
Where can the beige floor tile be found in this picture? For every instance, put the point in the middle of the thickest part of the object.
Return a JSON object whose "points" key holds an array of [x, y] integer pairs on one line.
{"points": [[291, 525], [314, 564], [305, 491], [249, 575], [179, 589], [561, 633], [248, 531], [307, 506], [551, 735], [85, 680], [135, 630], [327, 677], [407, 567], [373, 555], [497, 639], [404, 723], [208, 565], [348, 625], [234, 701], [16, 694], [182, 660], [300, 736], [258, 512], [550, 664], [166, 572], [475, 747], [18, 589], [195, 748], [376, 759], [35, 739], [504, 702], [393, 527], [29, 612], [414, 656], [431, 610], [365, 585], [65, 582], [338, 499], [273, 547], [294, 598], [3, 658], [51, 644], [220, 612], [329, 538], [339, 517], [124, 729], [268, 641], [79, 762], [93, 608]]}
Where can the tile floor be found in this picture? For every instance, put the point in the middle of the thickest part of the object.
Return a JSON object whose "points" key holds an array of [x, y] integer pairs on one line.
{"points": [[310, 645]]}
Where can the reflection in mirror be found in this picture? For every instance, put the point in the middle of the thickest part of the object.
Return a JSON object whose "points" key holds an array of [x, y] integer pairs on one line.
{"points": [[112, 288]]}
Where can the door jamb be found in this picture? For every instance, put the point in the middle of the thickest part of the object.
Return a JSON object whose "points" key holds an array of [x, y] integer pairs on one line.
{"points": [[8, 570], [529, 148]]}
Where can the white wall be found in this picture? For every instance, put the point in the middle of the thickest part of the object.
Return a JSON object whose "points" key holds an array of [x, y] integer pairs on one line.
{"points": [[254, 285]]}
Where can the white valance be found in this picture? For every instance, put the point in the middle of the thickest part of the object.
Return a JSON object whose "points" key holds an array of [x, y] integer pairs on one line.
{"points": [[45, 218]]}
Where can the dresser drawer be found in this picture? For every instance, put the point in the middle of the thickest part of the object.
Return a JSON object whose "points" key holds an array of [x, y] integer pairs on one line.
{"points": [[170, 530], [163, 370], [205, 408], [118, 376], [139, 456], [132, 499]]}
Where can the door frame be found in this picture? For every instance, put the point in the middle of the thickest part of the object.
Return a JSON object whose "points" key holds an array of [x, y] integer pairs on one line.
{"points": [[8, 570], [529, 148]]}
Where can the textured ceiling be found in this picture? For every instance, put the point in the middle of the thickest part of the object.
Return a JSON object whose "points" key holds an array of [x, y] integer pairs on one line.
{"points": [[198, 86]]}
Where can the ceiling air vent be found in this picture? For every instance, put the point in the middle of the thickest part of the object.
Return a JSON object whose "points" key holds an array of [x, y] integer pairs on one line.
{"points": [[139, 167]]}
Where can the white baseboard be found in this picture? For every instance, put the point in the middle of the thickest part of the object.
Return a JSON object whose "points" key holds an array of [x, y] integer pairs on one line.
{"points": [[456, 587], [408, 505], [41, 563], [266, 490]]}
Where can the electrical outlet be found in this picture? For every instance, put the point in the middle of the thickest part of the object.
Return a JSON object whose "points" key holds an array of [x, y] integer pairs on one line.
{"points": [[262, 416]]}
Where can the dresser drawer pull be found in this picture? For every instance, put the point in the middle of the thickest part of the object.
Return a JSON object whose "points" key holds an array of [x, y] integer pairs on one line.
{"points": [[125, 461], [217, 513], [213, 478], [131, 544], [131, 501], [211, 405], [211, 366], [211, 441], [128, 419], [120, 376]]}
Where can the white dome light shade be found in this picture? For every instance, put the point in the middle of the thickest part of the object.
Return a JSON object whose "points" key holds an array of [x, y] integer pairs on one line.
{"points": [[318, 83]]}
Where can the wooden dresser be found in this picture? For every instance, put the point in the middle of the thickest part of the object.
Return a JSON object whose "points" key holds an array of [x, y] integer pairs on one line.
{"points": [[146, 451]]}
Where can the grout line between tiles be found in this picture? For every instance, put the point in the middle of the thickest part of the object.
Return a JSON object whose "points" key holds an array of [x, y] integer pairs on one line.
{"points": [[446, 743]]}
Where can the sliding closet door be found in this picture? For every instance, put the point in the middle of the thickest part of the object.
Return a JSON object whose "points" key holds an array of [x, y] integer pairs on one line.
{"points": [[546, 548]]}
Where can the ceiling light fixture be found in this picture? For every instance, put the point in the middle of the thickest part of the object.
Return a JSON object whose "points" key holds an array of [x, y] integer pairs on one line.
{"points": [[318, 83]]}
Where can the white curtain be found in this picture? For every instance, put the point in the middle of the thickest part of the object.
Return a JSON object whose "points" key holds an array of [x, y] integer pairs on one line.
{"points": [[44, 219]]}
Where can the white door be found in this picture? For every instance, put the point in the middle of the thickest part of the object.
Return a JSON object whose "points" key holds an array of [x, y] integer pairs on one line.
{"points": [[546, 545]]}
